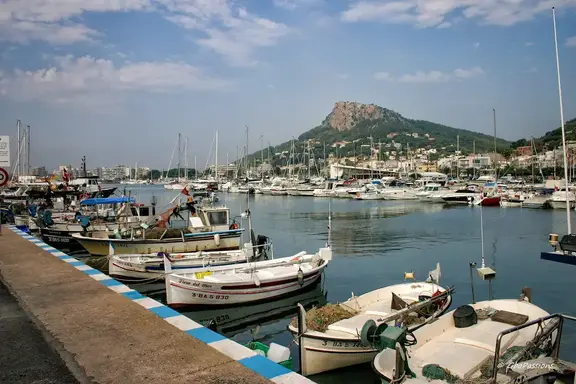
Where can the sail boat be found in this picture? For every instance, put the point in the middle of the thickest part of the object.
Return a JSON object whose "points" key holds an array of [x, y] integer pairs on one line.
{"points": [[564, 249], [180, 182]]}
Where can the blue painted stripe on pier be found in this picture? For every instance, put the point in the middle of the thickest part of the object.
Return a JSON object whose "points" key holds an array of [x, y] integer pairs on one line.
{"points": [[133, 295], [258, 364], [110, 282], [164, 311], [76, 263], [91, 271], [264, 366], [206, 335]]}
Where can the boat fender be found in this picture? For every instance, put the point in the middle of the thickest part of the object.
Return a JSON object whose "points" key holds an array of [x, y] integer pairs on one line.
{"points": [[217, 239], [257, 280], [233, 226], [300, 276]]}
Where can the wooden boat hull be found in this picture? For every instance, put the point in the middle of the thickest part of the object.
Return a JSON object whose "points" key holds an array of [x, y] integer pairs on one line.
{"points": [[131, 269], [323, 352], [227, 241], [182, 292]]}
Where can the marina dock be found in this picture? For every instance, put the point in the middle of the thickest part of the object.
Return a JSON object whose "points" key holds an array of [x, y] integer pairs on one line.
{"points": [[106, 332]]}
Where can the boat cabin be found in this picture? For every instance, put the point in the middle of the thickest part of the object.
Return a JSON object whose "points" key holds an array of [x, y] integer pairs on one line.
{"points": [[211, 218]]}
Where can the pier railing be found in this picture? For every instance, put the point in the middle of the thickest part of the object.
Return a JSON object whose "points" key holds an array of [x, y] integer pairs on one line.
{"points": [[555, 323]]}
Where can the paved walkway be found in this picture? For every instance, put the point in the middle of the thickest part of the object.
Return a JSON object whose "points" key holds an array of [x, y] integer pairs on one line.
{"points": [[103, 336], [25, 356]]}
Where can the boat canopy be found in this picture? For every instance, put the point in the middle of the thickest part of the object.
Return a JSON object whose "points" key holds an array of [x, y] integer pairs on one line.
{"points": [[107, 200]]}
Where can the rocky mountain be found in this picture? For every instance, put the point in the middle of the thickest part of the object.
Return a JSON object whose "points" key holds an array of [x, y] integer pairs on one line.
{"points": [[345, 115], [350, 128]]}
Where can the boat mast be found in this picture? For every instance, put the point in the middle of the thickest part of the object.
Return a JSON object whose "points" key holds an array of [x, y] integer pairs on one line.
{"points": [[216, 160], [246, 153], [186, 158], [28, 170], [179, 154], [308, 159], [562, 121], [262, 157], [19, 155], [495, 158], [84, 166]]}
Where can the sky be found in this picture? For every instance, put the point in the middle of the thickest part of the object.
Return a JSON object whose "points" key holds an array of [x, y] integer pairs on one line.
{"points": [[117, 80]]}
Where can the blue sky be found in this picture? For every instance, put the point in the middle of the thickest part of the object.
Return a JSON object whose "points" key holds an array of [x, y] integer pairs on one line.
{"points": [[116, 80]]}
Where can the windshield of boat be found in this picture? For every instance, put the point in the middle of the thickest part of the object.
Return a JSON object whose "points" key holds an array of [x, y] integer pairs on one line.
{"points": [[217, 217]]}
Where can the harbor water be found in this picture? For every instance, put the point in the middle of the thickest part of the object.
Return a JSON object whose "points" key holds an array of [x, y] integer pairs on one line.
{"points": [[376, 242]]}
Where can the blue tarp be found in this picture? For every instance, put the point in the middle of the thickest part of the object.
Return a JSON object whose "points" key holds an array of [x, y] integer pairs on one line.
{"points": [[106, 200]]}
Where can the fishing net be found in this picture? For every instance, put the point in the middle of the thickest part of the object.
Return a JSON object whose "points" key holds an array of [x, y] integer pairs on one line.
{"points": [[318, 319], [436, 372], [156, 233]]}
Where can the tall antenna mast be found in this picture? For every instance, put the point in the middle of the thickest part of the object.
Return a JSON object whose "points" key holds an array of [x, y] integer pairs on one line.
{"points": [[562, 122]]}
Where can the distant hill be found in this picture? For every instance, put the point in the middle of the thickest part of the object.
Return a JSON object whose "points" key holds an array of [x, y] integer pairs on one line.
{"points": [[348, 127], [552, 139]]}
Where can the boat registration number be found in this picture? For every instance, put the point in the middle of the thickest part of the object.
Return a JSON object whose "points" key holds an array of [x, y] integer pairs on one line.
{"points": [[201, 275], [342, 344]]}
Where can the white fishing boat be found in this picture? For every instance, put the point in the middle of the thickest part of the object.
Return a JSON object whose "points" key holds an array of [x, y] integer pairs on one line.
{"points": [[239, 284], [151, 267], [339, 344], [455, 346]]}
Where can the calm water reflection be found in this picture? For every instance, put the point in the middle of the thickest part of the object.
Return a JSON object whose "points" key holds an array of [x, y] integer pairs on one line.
{"points": [[375, 242]]}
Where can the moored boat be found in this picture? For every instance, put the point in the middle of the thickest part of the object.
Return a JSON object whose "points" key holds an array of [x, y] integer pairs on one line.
{"points": [[209, 230], [458, 344], [339, 344], [146, 266], [240, 284]]}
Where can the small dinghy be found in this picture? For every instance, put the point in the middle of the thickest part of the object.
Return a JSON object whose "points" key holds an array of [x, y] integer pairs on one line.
{"points": [[459, 345], [239, 284], [337, 345]]}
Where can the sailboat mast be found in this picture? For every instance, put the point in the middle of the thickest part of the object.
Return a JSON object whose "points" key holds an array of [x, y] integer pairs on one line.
{"points": [[562, 121], [19, 155], [216, 160], [246, 159], [495, 158], [28, 170], [186, 158], [179, 153], [262, 157]]}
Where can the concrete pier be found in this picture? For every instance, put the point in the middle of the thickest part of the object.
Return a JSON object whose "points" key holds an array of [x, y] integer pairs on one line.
{"points": [[108, 333]]}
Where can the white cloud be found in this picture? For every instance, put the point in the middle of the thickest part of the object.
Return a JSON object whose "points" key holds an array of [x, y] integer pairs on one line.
{"points": [[440, 13], [431, 76], [230, 31], [343, 76], [476, 45], [571, 41], [528, 44], [86, 79], [25, 20]]}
